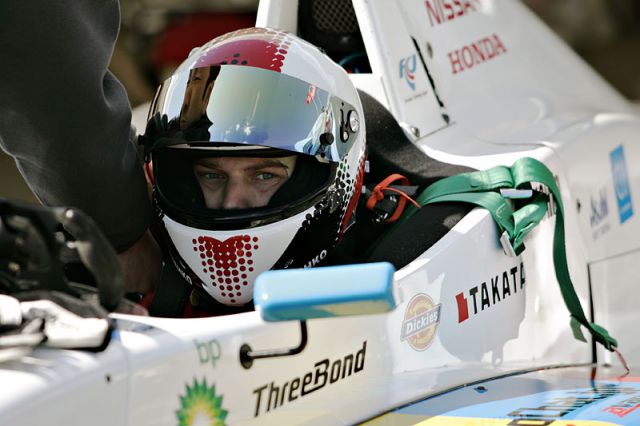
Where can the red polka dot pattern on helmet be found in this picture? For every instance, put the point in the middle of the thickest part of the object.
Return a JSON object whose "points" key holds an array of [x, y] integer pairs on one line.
{"points": [[269, 52], [226, 262], [355, 197]]}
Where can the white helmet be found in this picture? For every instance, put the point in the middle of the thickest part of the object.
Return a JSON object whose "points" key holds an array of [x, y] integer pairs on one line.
{"points": [[255, 93]]}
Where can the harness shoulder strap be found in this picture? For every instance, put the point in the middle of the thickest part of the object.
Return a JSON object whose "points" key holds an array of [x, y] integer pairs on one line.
{"points": [[480, 188]]}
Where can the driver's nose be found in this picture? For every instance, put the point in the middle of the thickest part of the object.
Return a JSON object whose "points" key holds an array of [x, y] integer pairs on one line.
{"points": [[236, 195]]}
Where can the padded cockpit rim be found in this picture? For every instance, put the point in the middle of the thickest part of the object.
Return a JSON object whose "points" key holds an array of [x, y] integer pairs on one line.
{"points": [[389, 151]]}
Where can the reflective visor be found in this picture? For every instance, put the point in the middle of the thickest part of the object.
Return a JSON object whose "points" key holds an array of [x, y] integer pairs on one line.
{"points": [[230, 105]]}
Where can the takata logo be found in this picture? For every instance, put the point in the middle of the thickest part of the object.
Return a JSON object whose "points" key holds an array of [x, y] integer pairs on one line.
{"points": [[490, 292], [420, 322], [407, 70]]}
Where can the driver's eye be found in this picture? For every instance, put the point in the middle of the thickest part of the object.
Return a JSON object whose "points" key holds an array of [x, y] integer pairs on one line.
{"points": [[212, 176], [265, 176]]}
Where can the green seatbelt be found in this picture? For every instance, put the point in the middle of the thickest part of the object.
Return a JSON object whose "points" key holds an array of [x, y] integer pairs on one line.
{"points": [[480, 187]]}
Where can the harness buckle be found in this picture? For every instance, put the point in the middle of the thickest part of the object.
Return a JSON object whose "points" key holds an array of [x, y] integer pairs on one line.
{"points": [[513, 193], [507, 247], [552, 206], [550, 199]]}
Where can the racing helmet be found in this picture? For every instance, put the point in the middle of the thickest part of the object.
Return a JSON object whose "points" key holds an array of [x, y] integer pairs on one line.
{"points": [[255, 93]]}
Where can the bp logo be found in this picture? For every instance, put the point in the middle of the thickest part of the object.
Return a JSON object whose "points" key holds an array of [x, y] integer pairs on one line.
{"points": [[201, 406], [420, 322]]}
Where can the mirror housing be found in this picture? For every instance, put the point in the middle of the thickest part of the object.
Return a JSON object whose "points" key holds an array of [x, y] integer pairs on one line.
{"points": [[333, 291]]}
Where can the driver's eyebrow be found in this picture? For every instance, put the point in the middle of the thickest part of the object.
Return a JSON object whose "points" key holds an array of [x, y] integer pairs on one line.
{"points": [[212, 163], [204, 163], [266, 163]]}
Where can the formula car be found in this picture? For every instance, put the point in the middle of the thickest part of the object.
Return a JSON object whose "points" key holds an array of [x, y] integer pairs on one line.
{"points": [[471, 329]]}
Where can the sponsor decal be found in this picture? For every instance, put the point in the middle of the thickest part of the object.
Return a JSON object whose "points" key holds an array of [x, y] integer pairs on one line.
{"points": [[393, 419], [311, 93], [421, 319], [553, 401], [201, 406], [208, 352], [621, 183], [599, 218], [408, 67], [181, 267], [625, 407], [490, 292], [443, 11], [485, 49], [317, 259], [558, 407], [326, 372], [416, 96]]}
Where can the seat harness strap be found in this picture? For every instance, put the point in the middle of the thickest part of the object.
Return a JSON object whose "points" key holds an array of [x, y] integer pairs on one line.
{"points": [[491, 189]]}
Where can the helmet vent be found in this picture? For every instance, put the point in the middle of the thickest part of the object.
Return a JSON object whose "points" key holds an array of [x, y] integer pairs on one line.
{"points": [[335, 16]]}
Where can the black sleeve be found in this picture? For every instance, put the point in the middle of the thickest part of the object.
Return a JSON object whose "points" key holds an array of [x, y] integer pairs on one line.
{"points": [[65, 118]]}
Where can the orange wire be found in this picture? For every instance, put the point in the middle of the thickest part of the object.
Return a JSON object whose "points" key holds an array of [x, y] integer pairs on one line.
{"points": [[378, 195], [408, 198]]}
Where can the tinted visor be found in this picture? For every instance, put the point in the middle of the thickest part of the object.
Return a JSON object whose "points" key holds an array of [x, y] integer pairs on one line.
{"points": [[229, 105], [182, 195]]}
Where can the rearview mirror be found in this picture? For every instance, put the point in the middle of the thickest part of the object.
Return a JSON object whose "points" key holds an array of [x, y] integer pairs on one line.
{"points": [[301, 294]]}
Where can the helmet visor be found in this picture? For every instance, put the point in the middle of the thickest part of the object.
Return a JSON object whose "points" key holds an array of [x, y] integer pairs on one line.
{"points": [[210, 189], [232, 106]]}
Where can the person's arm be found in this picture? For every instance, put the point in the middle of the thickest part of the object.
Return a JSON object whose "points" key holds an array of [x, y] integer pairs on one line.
{"points": [[65, 118]]}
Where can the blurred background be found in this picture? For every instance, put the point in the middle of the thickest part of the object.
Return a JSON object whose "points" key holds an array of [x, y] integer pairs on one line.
{"points": [[156, 35]]}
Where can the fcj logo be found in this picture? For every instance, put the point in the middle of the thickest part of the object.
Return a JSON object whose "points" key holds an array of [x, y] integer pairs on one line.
{"points": [[621, 184], [408, 69]]}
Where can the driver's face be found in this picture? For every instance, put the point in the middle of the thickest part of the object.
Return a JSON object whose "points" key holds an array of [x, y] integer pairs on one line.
{"points": [[241, 182]]}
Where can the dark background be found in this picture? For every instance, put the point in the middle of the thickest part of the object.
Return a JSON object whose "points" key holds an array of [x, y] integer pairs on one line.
{"points": [[157, 34]]}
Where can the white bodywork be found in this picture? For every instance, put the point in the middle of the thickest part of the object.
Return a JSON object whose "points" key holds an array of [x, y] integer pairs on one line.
{"points": [[530, 96]]}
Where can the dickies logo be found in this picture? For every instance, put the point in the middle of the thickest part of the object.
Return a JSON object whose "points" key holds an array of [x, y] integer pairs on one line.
{"points": [[407, 70], [420, 323]]}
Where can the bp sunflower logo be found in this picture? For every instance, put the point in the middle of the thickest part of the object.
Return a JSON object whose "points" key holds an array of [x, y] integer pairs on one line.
{"points": [[200, 406]]}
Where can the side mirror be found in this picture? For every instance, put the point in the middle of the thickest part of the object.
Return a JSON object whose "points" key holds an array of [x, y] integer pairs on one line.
{"points": [[333, 291]]}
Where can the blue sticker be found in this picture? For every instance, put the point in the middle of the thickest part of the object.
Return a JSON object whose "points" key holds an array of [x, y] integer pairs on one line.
{"points": [[606, 402], [621, 184], [603, 401]]}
